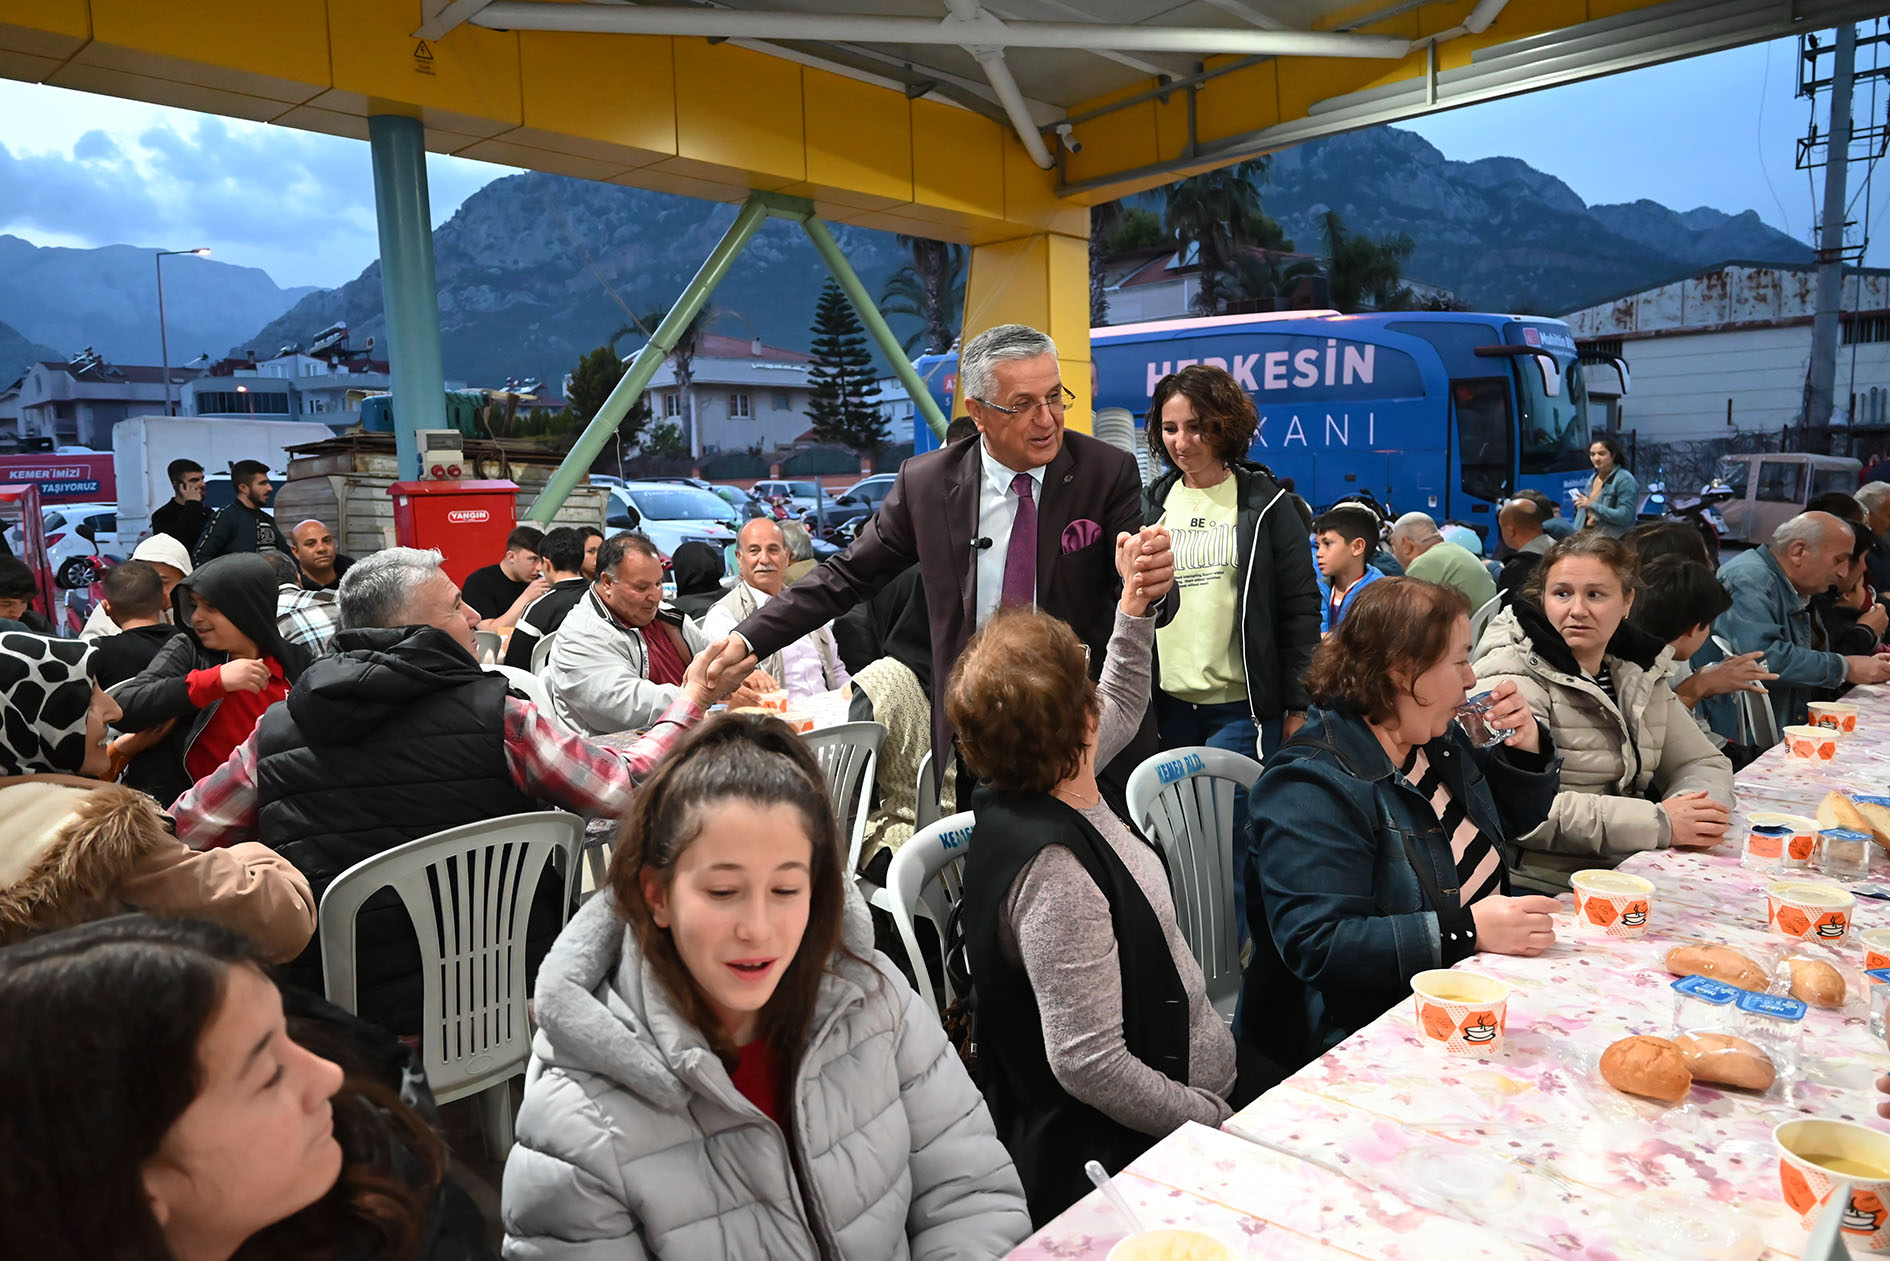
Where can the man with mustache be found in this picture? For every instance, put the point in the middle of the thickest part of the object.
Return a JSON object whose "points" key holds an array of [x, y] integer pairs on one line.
{"points": [[803, 667]]}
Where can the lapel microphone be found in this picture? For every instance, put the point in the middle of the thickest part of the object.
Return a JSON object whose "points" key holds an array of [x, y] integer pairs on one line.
{"points": [[980, 543]]}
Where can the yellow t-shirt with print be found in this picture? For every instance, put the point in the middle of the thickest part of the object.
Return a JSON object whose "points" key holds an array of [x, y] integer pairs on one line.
{"points": [[1200, 649]]}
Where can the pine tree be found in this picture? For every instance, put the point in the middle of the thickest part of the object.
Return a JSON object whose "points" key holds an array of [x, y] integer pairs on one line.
{"points": [[845, 401]]}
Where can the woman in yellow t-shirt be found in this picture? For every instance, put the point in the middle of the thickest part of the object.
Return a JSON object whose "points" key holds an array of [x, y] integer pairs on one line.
{"points": [[1231, 666]]}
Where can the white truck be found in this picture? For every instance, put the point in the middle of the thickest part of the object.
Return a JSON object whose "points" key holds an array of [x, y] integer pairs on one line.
{"points": [[143, 446]]}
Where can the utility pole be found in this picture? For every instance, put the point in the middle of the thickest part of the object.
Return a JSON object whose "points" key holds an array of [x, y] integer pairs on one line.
{"points": [[1821, 382]]}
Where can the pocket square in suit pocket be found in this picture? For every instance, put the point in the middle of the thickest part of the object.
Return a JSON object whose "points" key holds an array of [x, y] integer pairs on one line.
{"points": [[1080, 534]]}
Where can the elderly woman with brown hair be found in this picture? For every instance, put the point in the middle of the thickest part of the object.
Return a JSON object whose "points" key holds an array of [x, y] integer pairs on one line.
{"points": [[1095, 1033], [1380, 830]]}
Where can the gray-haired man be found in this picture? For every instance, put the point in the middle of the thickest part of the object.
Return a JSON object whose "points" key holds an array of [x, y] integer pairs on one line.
{"points": [[1026, 513], [397, 735]]}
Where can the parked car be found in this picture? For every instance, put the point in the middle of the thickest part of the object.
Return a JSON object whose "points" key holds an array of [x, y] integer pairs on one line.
{"points": [[671, 515], [1771, 487], [745, 504], [799, 496], [870, 491], [77, 536]]}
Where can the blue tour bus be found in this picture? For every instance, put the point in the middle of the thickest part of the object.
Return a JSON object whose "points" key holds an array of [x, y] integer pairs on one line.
{"points": [[1443, 412]]}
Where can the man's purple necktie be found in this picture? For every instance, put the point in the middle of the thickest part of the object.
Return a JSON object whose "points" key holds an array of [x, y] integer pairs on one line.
{"points": [[1020, 559]]}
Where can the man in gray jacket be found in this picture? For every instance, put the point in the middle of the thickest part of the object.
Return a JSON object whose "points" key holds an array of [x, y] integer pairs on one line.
{"points": [[1771, 588], [617, 661]]}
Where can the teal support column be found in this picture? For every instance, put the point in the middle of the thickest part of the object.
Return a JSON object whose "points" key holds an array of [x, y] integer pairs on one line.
{"points": [[631, 385], [408, 292], [863, 305]]}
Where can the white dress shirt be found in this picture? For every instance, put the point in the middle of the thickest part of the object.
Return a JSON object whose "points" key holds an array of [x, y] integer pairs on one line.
{"points": [[997, 511], [802, 673]]}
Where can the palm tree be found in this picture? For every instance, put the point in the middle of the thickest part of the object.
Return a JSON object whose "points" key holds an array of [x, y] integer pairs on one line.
{"points": [[681, 358], [1360, 270], [1104, 219], [929, 289], [1259, 276], [1214, 215]]}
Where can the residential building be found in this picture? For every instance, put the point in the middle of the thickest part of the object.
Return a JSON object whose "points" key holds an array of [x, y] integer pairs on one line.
{"points": [[291, 386], [1727, 349], [77, 403], [747, 394], [1162, 283]]}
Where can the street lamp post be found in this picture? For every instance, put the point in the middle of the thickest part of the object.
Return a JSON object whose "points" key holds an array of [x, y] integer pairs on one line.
{"points": [[164, 341]]}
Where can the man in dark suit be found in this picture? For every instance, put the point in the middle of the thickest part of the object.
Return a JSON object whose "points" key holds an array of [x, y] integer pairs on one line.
{"points": [[1025, 511]]}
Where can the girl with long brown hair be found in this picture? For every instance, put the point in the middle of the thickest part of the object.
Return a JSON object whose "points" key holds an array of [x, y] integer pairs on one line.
{"points": [[724, 1065]]}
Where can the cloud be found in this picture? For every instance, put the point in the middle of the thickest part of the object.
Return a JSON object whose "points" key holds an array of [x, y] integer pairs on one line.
{"points": [[298, 204]]}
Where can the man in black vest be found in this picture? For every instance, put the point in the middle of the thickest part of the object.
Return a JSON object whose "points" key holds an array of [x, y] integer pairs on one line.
{"points": [[398, 735]]}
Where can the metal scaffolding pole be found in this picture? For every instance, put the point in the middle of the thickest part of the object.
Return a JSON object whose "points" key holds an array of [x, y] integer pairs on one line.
{"points": [[1821, 383], [631, 385], [408, 293]]}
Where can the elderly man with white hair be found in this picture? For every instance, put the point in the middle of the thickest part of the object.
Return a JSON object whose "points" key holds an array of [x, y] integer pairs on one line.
{"points": [[1771, 588], [1425, 553], [1024, 514], [397, 735]]}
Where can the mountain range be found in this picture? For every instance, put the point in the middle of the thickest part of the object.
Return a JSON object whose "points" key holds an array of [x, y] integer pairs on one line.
{"points": [[1501, 235], [534, 270], [106, 298]]}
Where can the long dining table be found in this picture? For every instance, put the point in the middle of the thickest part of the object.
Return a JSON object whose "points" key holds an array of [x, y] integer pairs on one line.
{"points": [[1384, 1147]]}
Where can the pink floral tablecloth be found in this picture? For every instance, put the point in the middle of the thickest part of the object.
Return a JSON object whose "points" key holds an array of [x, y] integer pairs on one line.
{"points": [[1384, 1148], [1264, 1204]]}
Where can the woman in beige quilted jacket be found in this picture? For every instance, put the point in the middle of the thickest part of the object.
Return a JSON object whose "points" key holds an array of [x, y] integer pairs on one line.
{"points": [[1637, 772]]}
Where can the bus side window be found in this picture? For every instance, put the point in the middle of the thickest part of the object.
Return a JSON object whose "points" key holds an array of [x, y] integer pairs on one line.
{"points": [[1484, 444]]}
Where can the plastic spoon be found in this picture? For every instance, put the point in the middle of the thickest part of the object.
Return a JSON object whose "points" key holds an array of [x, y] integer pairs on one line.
{"points": [[1825, 1243], [1100, 1176]]}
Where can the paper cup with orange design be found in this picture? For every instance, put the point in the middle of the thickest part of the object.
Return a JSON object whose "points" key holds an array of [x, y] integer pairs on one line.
{"points": [[1614, 901], [1808, 910], [1817, 744], [1799, 846], [1462, 1012], [1815, 1156], [1834, 715]]}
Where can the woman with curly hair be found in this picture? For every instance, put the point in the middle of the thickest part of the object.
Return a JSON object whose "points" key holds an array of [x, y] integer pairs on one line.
{"points": [[1381, 831]]}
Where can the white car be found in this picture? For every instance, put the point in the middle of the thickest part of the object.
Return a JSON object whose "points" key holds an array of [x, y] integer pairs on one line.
{"points": [[671, 515], [70, 552]]}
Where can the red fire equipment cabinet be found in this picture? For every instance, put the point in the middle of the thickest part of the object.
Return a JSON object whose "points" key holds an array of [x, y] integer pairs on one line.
{"points": [[467, 521]]}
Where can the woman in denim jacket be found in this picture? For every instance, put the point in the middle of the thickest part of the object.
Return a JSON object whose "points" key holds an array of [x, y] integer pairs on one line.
{"points": [[1613, 495], [1380, 832]]}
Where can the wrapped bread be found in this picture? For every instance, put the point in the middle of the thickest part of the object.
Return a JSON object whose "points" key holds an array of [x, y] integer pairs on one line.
{"points": [[1840, 811], [1816, 982], [1651, 1067], [1723, 1060], [1722, 963]]}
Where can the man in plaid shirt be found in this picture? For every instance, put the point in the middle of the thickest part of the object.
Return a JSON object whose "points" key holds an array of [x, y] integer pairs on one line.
{"points": [[543, 761]]}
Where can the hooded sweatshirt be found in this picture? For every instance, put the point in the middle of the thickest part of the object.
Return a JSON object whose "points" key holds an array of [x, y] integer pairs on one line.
{"points": [[697, 568], [181, 682], [72, 848]]}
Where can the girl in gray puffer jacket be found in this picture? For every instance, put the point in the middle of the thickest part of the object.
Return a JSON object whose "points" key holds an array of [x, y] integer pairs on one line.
{"points": [[724, 1067]]}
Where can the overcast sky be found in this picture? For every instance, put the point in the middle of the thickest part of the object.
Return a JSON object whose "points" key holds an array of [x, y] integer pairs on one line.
{"points": [[89, 170]]}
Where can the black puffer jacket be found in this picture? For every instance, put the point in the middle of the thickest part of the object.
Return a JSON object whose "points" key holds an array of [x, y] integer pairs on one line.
{"points": [[397, 735], [1279, 592], [242, 588]]}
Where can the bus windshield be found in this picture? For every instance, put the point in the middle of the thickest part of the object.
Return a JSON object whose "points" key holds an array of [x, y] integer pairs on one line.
{"points": [[1554, 430]]}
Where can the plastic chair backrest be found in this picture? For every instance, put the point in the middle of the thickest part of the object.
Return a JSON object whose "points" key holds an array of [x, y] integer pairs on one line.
{"points": [[849, 755], [929, 869], [541, 651], [1482, 618], [1183, 800], [487, 645], [468, 891], [925, 809], [528, 683], [1758, 725]]}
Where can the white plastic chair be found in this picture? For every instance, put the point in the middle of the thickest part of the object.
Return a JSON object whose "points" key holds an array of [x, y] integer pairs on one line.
{"points": [[1758, 725], [849, 756], [1183, 800], [927, 878], [488, 646], [541, 651], [468, 892], [528, 683], [926, 808], [1483, 617]]}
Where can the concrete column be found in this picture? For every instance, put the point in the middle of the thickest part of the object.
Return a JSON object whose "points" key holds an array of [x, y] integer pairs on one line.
{"points": [[408, 291]]}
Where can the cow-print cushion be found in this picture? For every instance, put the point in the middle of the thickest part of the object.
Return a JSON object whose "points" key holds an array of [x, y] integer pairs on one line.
{"points": [[45, 691]]}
